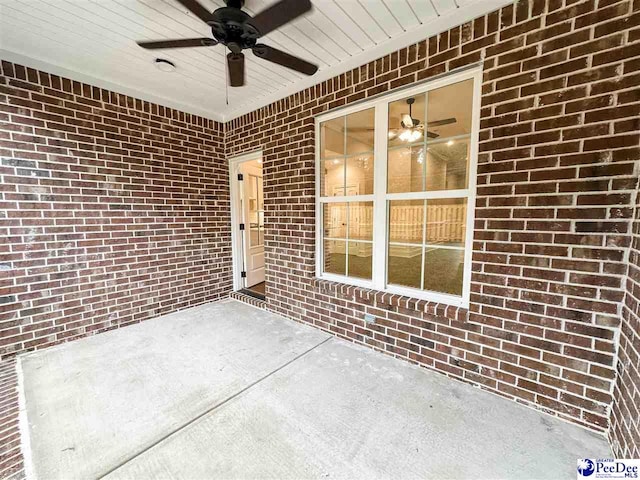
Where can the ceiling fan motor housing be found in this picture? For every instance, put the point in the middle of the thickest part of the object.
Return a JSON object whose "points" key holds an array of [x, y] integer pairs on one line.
{"points": [[229, 28]]}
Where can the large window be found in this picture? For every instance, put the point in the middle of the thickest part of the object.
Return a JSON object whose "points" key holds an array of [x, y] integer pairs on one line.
{"points": [[396, 188]]}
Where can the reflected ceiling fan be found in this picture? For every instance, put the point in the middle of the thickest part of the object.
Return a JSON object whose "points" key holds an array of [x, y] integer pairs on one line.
{"points": [[411, 128], [237, 30]]}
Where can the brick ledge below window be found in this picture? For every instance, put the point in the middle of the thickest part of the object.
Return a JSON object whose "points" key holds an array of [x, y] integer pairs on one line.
{"points": [[387, 301]]}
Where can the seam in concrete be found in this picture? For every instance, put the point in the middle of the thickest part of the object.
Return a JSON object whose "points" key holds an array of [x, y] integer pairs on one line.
{"points": [[207, 412]]}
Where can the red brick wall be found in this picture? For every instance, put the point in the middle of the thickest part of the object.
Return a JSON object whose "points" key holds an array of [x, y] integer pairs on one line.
{"points": [[556, 186], [624, 434], [112, 210]]}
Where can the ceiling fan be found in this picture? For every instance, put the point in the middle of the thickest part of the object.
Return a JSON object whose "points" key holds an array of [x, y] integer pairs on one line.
{"points": [[238, 31], [410, 128]]}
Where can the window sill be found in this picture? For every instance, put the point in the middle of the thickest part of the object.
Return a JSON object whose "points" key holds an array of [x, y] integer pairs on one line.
{"points": [[389, 301]]}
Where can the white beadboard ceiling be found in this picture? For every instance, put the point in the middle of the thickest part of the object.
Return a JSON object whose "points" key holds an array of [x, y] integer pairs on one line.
{"points": [[94, 41]]}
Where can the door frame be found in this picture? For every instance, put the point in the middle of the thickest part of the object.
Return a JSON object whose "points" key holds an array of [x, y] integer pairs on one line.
{"points": [[236, 214]]}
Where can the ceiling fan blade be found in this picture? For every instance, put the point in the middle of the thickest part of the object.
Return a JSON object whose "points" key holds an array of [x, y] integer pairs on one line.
{"points": [[432, 134], [277, 15], [437, 123], [198, 10], [182, 43], [282, 58], [361, 129], [235, 62]]}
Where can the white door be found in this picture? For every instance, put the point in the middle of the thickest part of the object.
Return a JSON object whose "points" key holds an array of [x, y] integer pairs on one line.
{"points": [[253, 219]]}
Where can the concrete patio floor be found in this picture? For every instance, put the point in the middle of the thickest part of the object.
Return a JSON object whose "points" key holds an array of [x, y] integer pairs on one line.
{"points": [[226, 390]]}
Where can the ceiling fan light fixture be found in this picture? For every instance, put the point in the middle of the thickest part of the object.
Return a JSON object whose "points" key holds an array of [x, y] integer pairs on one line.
{"points": [[410, 135], [164, 65]]}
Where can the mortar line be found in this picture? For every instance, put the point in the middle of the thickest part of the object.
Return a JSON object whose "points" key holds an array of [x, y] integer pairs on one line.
{"points": [[205, 413]]}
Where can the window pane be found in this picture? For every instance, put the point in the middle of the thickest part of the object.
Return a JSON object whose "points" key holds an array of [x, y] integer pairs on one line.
{"points": [[443, 270], [360, 175], [335, 220], [254, 202], [405, 170], [360, 255], [449, 110], [398, 133], [332, 138], [360, 132], [404, 266], [447, 165], [406, 221], [332, 178], [335, 257], [446, 221], [254, 236], [361, 220]]}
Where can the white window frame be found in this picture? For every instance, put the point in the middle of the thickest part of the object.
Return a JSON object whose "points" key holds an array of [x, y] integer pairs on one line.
{"points": [[380, 195]]}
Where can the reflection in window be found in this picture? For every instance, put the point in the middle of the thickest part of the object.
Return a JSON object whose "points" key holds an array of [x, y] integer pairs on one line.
{"points": [[446, 221], [334, 257], [256, 211], [360, 256], [443, 270], [426, 244], [437, 156], [404, 265], [406, 221], [347, 155], [447, 165], [348, 238]]}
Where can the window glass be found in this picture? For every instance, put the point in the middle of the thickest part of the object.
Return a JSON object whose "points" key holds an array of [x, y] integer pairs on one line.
{"points": [[360, 132], [360, 257], [359, 176], [332, 177], [437, 229], [361, 221], [346, 152], [399, 112], [335, 257], [335, 220], [429, 150], [404, 265], [443, 270], [446, 220], [332, 138], [449, 110], [406, 221], [256, 211], [447, 165], [406, 169]]}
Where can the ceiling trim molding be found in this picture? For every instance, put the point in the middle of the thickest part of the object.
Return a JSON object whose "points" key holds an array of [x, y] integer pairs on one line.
{"points": [[469, 10], [47, 67]]}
